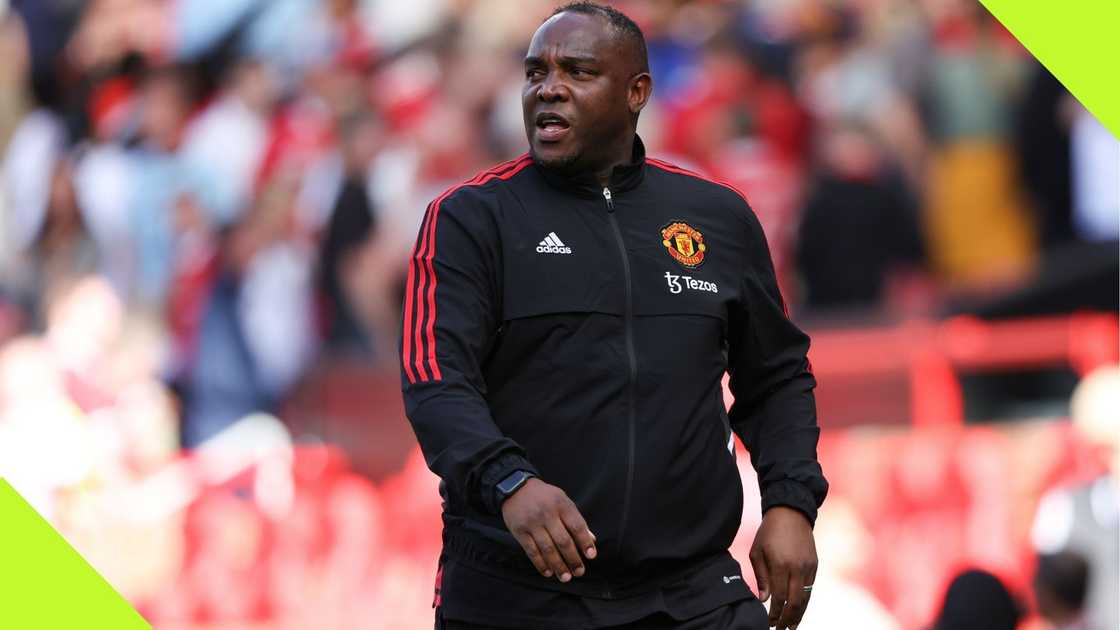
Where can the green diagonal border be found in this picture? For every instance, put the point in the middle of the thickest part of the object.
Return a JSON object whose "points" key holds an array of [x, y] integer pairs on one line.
{"points": [[45, 584], [1078, 41]]}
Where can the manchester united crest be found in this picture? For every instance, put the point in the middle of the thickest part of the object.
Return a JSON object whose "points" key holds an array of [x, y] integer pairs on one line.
{"points": [[685, 243]]}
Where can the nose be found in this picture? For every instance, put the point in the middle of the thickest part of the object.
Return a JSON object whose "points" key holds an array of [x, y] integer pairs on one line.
{"points": [[551, 89]]}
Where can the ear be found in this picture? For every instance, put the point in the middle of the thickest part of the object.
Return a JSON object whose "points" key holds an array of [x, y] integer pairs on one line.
{"points": [[639, 91]]}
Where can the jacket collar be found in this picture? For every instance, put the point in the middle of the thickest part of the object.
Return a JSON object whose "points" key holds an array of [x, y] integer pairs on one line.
{"points": [[623, 177]]}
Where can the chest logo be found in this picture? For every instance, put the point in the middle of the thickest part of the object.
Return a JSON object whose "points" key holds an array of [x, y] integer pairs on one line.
{"points": [[553, 245], [680, 283], [684, 243]]}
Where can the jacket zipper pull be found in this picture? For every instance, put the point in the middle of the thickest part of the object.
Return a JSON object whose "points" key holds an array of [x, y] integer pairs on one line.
{"points": [[607, 196]]}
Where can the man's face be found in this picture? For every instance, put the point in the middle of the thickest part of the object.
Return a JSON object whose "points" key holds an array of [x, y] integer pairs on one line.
{"points": [[579, 97]]}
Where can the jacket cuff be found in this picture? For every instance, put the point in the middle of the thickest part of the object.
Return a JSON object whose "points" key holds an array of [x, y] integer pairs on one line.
{"points": [[494, 472], [793, 494]]}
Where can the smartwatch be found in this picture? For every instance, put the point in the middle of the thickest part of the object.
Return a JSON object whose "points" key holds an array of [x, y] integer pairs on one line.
{"points": [[512, 483]]}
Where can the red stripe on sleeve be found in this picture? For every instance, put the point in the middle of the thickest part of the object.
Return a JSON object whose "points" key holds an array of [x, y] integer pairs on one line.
{"points": [[424, 263], [421, 254], [410, 288], [424, 336]]}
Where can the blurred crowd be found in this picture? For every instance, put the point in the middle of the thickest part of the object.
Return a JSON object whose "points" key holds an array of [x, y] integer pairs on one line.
{"points": [[200, 201], [248, 178]]}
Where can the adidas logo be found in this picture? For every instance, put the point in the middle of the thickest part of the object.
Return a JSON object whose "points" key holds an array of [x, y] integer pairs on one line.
{"points": [[553, 245]]}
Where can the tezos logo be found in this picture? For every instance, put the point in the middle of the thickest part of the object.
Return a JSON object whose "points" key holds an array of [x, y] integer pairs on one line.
{"points": [[680, 283]]}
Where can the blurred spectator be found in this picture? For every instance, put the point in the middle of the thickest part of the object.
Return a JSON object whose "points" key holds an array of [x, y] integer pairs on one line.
{"points": [[61, 251], [104, 178], [979, 232], [276, 301], [14, 99], [47, 27], [859, 228], [168, 159], [1060, 584], [223, 147], [1042, 140], [244, 181], [157, 180], [977, 600], [30, 162], [255, 335], [1085, 519], [1096, 179], [351, 226]]}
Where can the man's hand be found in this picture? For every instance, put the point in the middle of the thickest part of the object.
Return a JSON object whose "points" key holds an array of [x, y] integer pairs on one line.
{"points": [[550, 529], [784, 558]]}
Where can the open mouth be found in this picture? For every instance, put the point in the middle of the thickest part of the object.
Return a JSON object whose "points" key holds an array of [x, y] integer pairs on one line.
{"points": [[551, 127]]}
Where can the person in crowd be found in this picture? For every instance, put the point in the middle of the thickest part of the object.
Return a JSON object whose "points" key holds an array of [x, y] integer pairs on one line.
{"points": [[62, 250], [1084, 519], [1061, 582], [859, 228], [978, 600], [351, 227]]}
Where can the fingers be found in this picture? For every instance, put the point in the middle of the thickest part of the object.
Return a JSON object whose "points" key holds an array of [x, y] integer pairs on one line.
{"points": [[531, 550], [566, 546], [779, 584], [795, 602], [582, 536], [809, 581], [761, 573], [551, 554], [550, 529]]}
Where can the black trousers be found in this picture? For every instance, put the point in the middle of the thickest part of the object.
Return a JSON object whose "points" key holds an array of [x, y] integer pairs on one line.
{"points": [[747, 614]]}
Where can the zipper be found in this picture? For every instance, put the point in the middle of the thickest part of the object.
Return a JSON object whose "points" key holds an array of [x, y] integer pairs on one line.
{"points": [[628, 326]]}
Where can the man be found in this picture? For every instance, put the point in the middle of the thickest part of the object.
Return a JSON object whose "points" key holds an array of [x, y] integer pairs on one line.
{"points": [[568, 318]]}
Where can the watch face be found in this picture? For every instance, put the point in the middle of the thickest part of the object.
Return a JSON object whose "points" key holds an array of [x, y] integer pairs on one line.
{"points": [[512, 482]]}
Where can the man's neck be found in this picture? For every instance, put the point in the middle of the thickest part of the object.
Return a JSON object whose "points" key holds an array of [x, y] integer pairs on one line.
{"points": [[619, 173], [622, 158]]}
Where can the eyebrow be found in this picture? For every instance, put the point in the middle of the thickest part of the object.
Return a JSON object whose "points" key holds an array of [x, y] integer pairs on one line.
{"points": [[566, 60]]}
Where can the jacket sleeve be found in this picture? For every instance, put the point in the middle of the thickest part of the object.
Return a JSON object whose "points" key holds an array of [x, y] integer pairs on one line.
{"points": [[774, 412], [451, 314]]}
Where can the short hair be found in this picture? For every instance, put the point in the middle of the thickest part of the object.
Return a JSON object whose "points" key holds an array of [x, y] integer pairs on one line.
{"points": [[618, 20], [1066, 576]]}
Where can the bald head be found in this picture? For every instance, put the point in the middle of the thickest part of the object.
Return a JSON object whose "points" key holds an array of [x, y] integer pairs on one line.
{"points": [[629, 39]]}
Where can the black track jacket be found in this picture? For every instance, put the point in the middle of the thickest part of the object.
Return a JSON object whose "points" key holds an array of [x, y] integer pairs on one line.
{"points": [[582, 333]]}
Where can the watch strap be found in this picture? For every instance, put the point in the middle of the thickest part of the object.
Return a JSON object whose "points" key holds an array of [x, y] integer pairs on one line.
{"points": [[493, 473]]}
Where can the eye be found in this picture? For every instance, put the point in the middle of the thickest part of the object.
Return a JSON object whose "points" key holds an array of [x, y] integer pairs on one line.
{"points": [[581, 72], [533, 73]]}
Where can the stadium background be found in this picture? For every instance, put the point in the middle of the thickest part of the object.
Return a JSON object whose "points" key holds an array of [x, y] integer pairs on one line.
{"points": [[207, 209]]}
